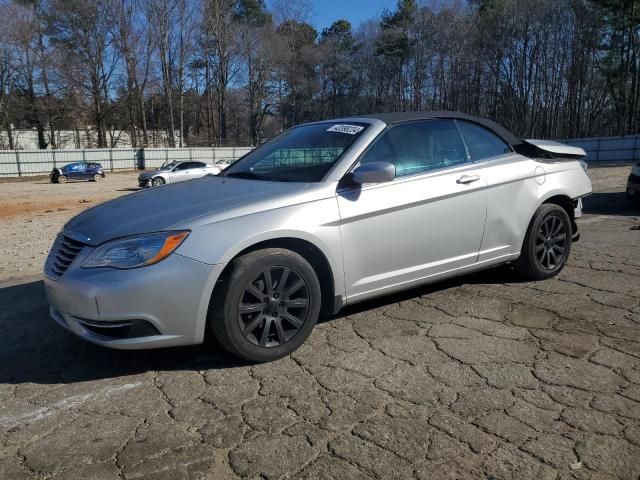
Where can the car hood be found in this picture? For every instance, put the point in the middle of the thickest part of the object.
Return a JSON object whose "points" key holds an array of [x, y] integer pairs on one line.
{"points": [[150, 174], [164, 207]]}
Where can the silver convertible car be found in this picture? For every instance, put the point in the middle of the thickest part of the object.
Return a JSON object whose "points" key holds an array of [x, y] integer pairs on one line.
{"points": [[322, 216]]}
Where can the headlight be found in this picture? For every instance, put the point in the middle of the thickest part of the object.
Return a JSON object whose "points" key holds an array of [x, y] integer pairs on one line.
{"points": [[584, 165], [135, 251]]}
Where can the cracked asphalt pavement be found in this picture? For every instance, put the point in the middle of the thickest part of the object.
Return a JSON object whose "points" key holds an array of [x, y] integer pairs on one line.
{"points": [[486, 376]]}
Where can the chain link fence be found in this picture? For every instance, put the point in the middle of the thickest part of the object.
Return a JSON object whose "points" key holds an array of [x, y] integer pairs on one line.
{"points": [[18, 163]]}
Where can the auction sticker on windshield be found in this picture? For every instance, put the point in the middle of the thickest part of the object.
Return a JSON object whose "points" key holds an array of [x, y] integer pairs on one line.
{"points": [[350, 129]]}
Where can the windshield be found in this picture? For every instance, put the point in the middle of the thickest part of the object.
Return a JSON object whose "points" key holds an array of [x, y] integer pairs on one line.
{"points": [[168, 166], [301, 154]]}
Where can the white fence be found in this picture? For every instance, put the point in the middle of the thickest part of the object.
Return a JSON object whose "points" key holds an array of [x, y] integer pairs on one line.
{"points": [[17, 163], [609, 149]]}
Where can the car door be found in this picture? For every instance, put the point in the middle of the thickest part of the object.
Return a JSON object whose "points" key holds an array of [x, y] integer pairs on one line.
{"points": [[199, 169], [77, 171], [196, 170], [512, 188], [426, 222], [181, 172]]}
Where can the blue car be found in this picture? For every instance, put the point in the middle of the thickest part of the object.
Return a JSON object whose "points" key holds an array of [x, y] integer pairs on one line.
{"points": [[77, 171]]}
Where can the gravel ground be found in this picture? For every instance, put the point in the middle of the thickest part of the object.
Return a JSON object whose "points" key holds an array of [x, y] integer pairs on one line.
{"points": [[486, 376], [33, 212]]}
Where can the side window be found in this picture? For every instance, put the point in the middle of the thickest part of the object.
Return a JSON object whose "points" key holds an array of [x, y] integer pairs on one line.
{"points": [[184, 166], [481, 142], [198, 165], [419, 146]]}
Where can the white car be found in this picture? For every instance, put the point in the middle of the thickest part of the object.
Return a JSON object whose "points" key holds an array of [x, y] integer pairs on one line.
{"points": [[176, 172]]}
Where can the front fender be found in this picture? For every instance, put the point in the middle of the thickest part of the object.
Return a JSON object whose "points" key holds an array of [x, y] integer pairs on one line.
{"points": [[217, 243]]}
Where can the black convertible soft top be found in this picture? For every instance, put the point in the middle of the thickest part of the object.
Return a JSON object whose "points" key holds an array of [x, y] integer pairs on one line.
{"points": [[402, 117]]}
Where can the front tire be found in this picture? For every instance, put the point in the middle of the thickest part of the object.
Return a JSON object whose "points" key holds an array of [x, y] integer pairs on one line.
{"points": [[97, 178], [267, 305], [157, 182], [547, 243]]}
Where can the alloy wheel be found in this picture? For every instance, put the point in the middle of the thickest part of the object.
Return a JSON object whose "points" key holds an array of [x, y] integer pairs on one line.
{"points": [[273, 307], [551, 243]]}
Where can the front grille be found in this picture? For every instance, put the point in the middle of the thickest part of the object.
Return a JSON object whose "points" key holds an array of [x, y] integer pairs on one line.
{"points": [[64, 251]]}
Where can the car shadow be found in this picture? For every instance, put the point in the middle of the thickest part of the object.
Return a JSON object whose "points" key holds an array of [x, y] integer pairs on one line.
{"points": [[130, 189], [34, 349], [610, 203]]}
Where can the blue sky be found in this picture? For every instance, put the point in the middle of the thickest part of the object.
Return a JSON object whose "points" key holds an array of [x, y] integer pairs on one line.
{"points": [[356, 11]]}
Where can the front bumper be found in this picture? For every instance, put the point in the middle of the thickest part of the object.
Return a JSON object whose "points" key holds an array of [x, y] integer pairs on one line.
{"points": [[169, 300]]}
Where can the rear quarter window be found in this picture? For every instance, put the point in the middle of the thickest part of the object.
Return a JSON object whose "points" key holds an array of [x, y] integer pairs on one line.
{"points": [[481, 143]]}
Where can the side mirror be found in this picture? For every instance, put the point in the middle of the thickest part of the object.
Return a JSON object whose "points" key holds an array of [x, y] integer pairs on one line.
{"points": [[374, 172]]}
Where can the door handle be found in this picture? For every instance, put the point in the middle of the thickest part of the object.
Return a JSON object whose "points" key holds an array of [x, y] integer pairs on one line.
{"points": [[468, 179]]}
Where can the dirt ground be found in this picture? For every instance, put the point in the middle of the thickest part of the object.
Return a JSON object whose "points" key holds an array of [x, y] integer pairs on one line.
{"points": [[487, 376], [33, 212]]}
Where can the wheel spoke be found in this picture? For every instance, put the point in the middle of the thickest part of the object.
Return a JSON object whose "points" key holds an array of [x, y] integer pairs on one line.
{"points": [[268, 281], [539, 247], [250, 308], [296, 303], [282, 337], [540, 237], [555, 258], [294, 321], [297, 285], [560, 238], [283, 279], [559, 249], [264, 338], [253, 290], [251, 326], [559, 228]]}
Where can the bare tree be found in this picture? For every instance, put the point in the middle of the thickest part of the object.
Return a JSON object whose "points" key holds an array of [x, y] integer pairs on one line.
{"points": [[85, 31], [161, 15], [221, 50], [300, 11], [234, 71]]}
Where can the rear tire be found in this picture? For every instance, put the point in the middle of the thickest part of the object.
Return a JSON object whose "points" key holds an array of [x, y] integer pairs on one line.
{"points": [[547, 243], [266, 306], [62, 179]]}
